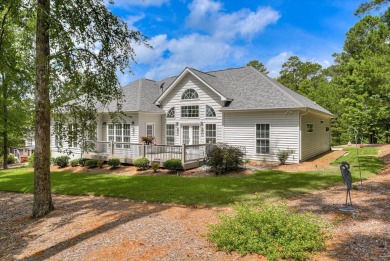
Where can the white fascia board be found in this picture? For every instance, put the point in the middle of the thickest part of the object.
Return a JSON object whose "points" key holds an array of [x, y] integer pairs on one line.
{"points": [[178, 79]]}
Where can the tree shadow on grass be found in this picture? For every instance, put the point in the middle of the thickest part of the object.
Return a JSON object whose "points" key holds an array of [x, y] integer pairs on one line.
{"points": [[18, 230]]}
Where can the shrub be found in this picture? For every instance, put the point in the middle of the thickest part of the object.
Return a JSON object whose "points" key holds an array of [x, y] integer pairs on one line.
{"points": [[83, 161], [10, 159], [173, 164], [114, 162], [62, 161], [141, 163], [224, 159], [92, 163], [100, 163], [155, 166], [283, 155], [31, 161], [74, 162], [274, 232]]}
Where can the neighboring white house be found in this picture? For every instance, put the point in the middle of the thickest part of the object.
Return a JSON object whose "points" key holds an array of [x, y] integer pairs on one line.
{"points": [[239, 106]]}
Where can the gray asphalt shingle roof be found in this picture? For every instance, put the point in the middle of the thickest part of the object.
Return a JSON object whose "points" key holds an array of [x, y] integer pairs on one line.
{"points": [[245, 86]]}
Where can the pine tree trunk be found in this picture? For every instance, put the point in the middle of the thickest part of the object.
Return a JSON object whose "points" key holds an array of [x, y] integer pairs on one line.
{"points": [[5, 123], [42, 187]]}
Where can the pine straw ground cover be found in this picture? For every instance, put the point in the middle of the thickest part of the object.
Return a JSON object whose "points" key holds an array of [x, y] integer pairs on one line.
{"points": [[96, 228]]}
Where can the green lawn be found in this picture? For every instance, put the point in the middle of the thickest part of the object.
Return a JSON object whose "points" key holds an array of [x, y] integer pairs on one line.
{"points": [[206, 191]]}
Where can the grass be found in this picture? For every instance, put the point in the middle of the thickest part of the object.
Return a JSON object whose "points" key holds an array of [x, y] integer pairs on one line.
{"points": [[263, 186]]}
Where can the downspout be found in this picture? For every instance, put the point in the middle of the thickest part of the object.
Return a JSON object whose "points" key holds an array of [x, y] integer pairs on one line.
{"points": [[300, 133]]}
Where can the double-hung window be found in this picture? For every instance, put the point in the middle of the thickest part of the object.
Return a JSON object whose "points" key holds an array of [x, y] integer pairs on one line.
{"points": [[170, 134], [262, 138], [211, 133]]}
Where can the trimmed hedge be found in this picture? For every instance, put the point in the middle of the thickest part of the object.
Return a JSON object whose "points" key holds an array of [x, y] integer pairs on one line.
{"points": [[141, 163], [114, 162], [173, 164], [92, 163], [62, 161], [74, 162]]}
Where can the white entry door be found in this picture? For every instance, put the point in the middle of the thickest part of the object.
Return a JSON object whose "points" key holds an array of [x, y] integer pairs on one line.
{"points": [[190, 134]]}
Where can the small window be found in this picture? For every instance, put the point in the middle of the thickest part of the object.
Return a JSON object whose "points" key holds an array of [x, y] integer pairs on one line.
{"points": [[72, 136], [210, 111], [309, 127], [170, 134], [150, 130], [327, 128], [262, 138], [211, 133], [190, 111], [171, 113], [190, 94]]}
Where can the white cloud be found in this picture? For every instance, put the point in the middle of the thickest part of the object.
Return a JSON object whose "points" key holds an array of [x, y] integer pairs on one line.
{"points": [[274, 64], [131, 20], [145, 55], [207, 15], [145, 3], [198, 51]]}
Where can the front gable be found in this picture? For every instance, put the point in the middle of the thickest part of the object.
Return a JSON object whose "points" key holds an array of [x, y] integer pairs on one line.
{"points": [[182, 77]]}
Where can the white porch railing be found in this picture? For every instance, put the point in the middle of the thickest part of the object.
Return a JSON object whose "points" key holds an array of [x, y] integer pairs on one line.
{"points": [[190, 155]]}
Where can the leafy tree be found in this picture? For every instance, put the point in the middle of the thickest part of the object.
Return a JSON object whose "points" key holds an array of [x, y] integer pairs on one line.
{"points": [[16, 66], [371, 5], [258, 66], [80, 46], [300, 76], [364, 65]]}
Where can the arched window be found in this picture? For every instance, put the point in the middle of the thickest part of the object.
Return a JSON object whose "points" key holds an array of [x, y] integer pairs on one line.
{"points": [[171, 113], [189, 94], [210, 111]]}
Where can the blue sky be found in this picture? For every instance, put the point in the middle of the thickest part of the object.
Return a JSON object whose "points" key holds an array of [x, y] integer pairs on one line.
{"points": [[211, 35]]}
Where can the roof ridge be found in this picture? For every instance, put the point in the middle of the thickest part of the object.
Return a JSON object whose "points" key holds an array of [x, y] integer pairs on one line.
{"points": [[202, 72], [235, 68], [277, 85]]}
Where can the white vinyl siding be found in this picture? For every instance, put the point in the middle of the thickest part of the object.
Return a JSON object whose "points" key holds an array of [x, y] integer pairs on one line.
{"points": [[240, 130], [317, 141], [205, 97], [148, 119]]}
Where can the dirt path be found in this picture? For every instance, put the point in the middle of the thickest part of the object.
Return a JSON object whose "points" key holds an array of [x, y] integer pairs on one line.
{"points": [[95, 228]]}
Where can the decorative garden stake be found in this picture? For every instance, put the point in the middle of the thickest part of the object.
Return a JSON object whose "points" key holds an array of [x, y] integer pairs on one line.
{"points": [[344, 168]]}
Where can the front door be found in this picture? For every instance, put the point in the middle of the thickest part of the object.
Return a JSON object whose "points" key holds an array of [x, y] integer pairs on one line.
{"points": [[190, 134]]}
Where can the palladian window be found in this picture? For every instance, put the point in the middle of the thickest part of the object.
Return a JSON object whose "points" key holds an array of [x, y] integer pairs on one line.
{"points": [[171, 113], [210, 111], [190, 94]]}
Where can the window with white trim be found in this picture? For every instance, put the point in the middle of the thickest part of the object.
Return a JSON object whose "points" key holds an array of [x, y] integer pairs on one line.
{"points": [[309, 127], [262, 138], [170, 134], [150, 130], [57, 134], [211, 133], [72, 135], [210, 112], [119, 133], [190, 111], [171, 113], [189, 94]]}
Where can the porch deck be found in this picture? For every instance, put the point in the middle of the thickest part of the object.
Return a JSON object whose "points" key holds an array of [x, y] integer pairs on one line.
{"points": [[191, 156]]}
